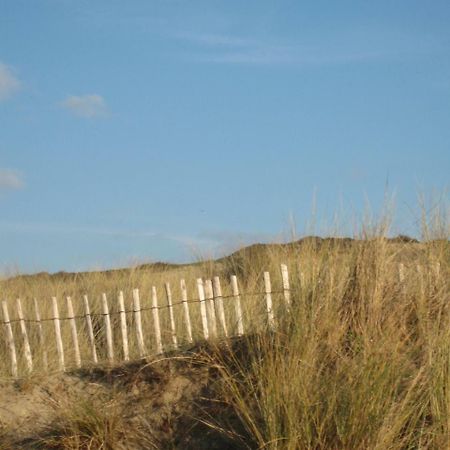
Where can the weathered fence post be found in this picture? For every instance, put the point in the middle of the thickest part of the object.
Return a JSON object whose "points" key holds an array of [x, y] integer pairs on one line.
{"points": [[401, 273], [155, 310], [123, 327], [401, 278], [209, 295], [237, 305], [109, 336], [10, 339], [26, 342], [59, 342], [286, 290], [171, 316], [41, 334], [302, 281], [219, 303], [437, 273], [201, 297], [187, 317], [73, 327], [421, 280], [268, 294], [138, 323], [87, 313]]}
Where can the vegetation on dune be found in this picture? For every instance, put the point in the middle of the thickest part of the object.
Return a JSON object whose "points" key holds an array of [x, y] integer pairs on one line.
{"points": [[361, 361]]}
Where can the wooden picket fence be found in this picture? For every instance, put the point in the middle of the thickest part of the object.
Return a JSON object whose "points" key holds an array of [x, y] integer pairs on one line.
{"points": [[209, 300], [101, 346]]}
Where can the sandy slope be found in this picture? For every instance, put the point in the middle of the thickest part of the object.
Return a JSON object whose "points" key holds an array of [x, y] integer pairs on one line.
{"points": [[150, 404]]}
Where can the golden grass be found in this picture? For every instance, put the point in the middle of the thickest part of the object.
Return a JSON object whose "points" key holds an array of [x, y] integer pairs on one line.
{"points": [[362, 361]]}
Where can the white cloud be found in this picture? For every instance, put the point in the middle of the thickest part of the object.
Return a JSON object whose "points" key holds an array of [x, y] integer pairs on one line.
{"points": [[89, 105], [11, 179], [345, 46], [9, 84], [216, 40], [254, 55], [222, 242], [237, 237]]}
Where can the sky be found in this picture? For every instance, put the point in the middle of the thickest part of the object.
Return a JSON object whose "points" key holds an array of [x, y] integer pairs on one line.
{"points": [[172, 130]]}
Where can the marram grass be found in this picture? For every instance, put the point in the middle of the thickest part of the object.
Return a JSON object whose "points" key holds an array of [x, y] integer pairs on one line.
{"points": [[362, 360]]}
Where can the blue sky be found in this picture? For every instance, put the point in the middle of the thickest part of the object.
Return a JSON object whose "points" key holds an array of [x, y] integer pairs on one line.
{"points": [[167, 130]]}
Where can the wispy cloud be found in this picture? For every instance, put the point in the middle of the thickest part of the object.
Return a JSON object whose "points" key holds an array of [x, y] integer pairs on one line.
{"points": [[67, 228], [88, 106], [215, 40], [345, 47], [75, 229], [11, 179], [254, 56], [224, 242], [214, 242], [236, 237], [224, 49], [9, 83]]}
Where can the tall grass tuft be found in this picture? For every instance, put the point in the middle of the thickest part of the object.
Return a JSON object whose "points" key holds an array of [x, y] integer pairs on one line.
{"points": [[362, 361]]}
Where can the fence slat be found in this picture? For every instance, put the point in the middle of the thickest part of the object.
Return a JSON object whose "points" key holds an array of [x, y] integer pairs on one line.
{"points": [[73, 328], [211, 307], [437, 269], [26, 342], [87, 313], [109, 336], [212, 314], [123, 327], [201, 297], [401, 278], [10, 339], [171, 315], [421, 280], [401, 273], [155, 311], [286, 289], [138, 323], [219, 304], [237, 305], [187, 316], [41, 335], [268, 295], [59, 342], [302, 281]]}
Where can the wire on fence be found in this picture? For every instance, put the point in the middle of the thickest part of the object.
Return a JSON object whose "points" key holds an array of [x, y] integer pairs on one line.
{"points": [[129, 311]]}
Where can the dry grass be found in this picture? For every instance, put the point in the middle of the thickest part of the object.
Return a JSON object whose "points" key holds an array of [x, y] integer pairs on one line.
{"points": [[362, 361]]}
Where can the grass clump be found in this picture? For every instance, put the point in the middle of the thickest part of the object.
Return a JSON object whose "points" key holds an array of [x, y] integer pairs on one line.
{"points": [[362, 361], [100, 422]]}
